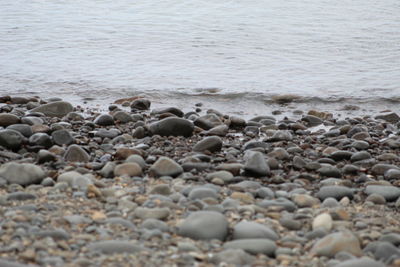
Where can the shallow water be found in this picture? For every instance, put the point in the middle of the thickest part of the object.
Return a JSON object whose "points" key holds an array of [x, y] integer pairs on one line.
{"points": [[220, 50]]}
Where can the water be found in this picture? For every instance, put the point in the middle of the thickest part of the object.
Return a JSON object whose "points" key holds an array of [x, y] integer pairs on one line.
{"points": [[235, 51]]}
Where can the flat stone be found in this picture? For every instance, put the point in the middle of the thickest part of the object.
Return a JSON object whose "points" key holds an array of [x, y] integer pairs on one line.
{"points": [[55, 109], [284, 203], [253, 246], [24, 129], [390, 117], [7, 119], [114, 246], [312, 120], [220, 130], [204, 225], [152, 213], [256, 164], [20, 196], [208, 121], [75, 180], [172, 110], [57, 234], [362, 262], [223, 175], [41, 139], [362, 155], [392, 174], [236, 257], [333, 243], [250, 230], [141, 104], [120, 221], [211, 144], [104, 120], [122, 117], [6, 263], [389, 192], [335, 191], [152, 224], [202, 192], [75, 153], [305, 200], [280, 136], [22, 173], [172, 127], [128, 169], [62, 137], [381, 168], [329, 171], [165, 166], [11, 139]]}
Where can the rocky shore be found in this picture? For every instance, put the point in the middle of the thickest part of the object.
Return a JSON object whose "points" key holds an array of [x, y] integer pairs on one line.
{"points": [[138, 186]]}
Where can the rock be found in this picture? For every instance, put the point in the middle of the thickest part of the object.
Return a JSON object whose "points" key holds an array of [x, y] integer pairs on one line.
{"points": [[341, 155], [204, 225], [11, 139], [329, 171], [152, 224], [253, 246], [161, 189], [114, 246], [57, 234], [120, 221], [75, 153], [202, 192], [256, 165], [323, 221], [7, 119], [360, 145], [108, 170], [208, 121], [6, 263], [211, 144], [392, 174], [312, 120], [250, 230], [136, 159], [172, 127], [104, 120], [236, 257], [41, 139], [335, 191], [24, 129], [376, 199], [128, 169], [172, 110], [122, 117], [220, 130], [333, 243], [362, 155], [165, 166], [20, 196], [386, 252], [104, 133], [381, 168], [389, 192], [304, 200], [140, 104], [280, 136], [362, 262], [152, 213], [390, 117], [22, 173], [55, 109], [75, 180], [279, 202], [223, 175], [62, 137]]}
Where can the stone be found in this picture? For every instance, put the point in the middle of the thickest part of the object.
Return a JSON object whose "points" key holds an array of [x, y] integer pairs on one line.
{"points": [[256, 165], [24, 129], [202, 192], [284, 203], [386, 252], [204, 225], [22, 173], [392, 174], [280, 136], [114, 246], [312, 120], [104, 120], [172, 127], [172, 110], [333, 243], [55, 109], [390, 117], [128, 169], [120, 221], [208, 121], [56, 234], [152, 213], [136, 159], [122, 117], [7, 119], [6, 263], [220, 130], [41, 139], [253, 246], [105, 133], [211, 144], [75, 180], [236, 257], [141, 104], [334, 191], [341, 155], [165, 166], [389, 192], [75, 153], [152, 224], [362, 262], [323, 221], [304, 200], [250, 230], [376, 199], [20, 196], [362, 155], [381, 168], [329, 171], [11, 139], [62, 137]]}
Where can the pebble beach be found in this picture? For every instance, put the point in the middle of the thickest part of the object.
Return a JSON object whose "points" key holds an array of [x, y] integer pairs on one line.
{"points": [[134, 185]]}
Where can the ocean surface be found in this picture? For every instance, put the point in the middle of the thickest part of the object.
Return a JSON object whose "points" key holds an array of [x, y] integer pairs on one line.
{"points": [[234, 52]]}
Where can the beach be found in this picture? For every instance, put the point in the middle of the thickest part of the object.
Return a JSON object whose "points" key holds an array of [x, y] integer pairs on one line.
{"points": [[146, 182]]}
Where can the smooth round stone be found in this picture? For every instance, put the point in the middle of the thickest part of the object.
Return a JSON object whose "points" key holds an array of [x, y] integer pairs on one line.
{"points": [[360, 145], [220, 130], [389, 192], [75, 153], [381, 168], [172, 127], [362, 155], [161, 189], [335, 191], [114, 246], [389, 117], [75, 180], [30, 120], [393, 238], [6, 263], [341, 155], [120, 221], [376, 199], [20, 196], [122, 117], [104, 133], [202, 192], [386, 252], [22, 173], [128, 169], [223, 175], [155, 224], [211, 144], [208, 121], [333, 243], [172, 110], [290, 223], [11, 139], [104, 120], [152, 213], [323, 221], [55, 109], [141, 104], [24, 129], [256, 164], [362, 262], [392, 174], [7, 119], [57, 234], [248, 230], [280, 136], [299, 162], [236, 257], [62, 137], [41, 139], [280, 202], [350, 169], [204, 225], [329, 171], [253, 246], [305, 200], [165, 166]]}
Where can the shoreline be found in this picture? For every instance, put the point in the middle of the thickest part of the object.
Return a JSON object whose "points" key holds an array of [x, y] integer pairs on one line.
{"points": [[173, 183]]}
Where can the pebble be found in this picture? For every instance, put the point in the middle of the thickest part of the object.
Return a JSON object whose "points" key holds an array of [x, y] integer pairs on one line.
{"points": [[236, 257], [334, 191], [172, 127], [152, 213], [256, 165], [128, 169], [76, 154], [204, 225], [323, 221], [202, 192], [362, 262], [11, 139], [165, 166], [253, 246], [333, 243], [249, 230], [211, 144], [390, 193], [114, 246], [22, 173], [55, 109], [7, 119], [140, 104]]}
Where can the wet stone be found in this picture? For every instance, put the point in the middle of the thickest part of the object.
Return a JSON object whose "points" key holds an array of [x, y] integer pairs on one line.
{"points": [[337, 192], [11, 139], [172, 127], [114, 246], [55, 109], [390, 193], [246, 230], [256, 165], [211, 144], [253, 246], [22, 173], [333, 243], [165, 166], [62, 137], [76, 153]]}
